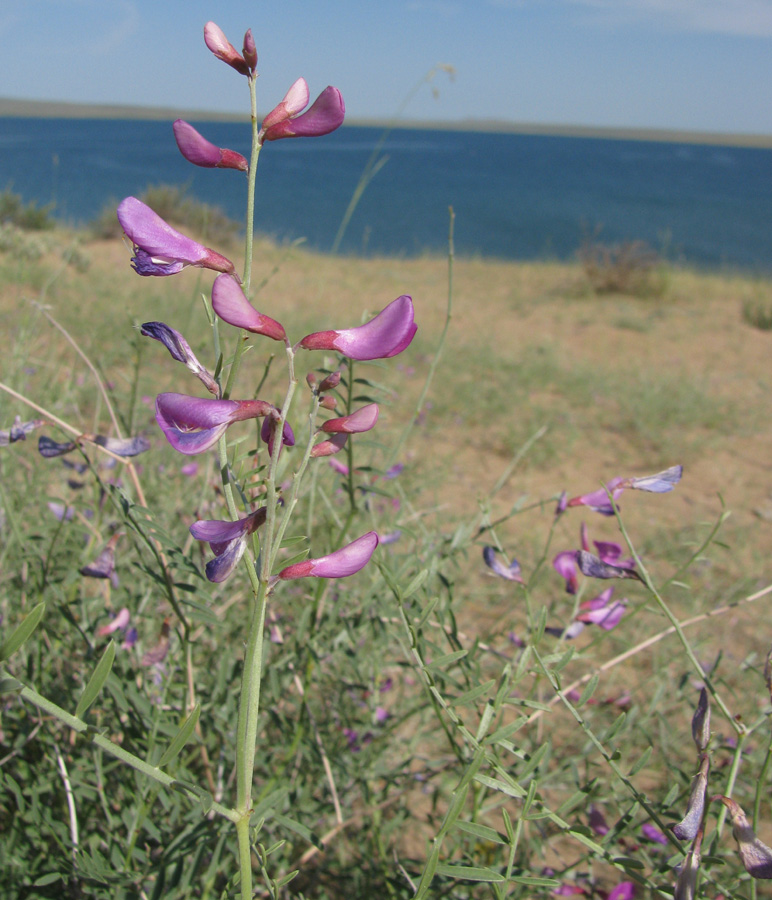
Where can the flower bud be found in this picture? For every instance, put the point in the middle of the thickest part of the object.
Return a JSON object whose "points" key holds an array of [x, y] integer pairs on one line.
{"points": [[330, 382], [201, 152], [215, 40], [755, 855], [249, 50], [328, 402], [701, 722]]}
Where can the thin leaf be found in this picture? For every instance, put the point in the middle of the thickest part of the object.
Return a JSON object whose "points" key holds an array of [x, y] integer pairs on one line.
{"points": [[96, 682], [181, 738], [28, 624]]}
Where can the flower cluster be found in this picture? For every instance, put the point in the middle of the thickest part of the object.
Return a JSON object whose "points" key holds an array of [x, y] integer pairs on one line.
{"points": [[194, 425]]}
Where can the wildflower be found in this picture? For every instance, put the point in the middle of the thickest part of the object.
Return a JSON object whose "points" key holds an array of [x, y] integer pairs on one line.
{"points": [[323, 116], [362, 420], [193, 425], [268, 430], [215, 40], [130, 446], [653, 834], [330, 446], [156, 655], [201, 152], [232, 306], [158, 248], [49, 448], [755, 855], [384, 336], [600, 611], [701, 722], [598, 821], [625, 890], [104, 565], [339, 467], [180, 350], [594, 567], [687, 828], [338, 564], [599, 501], [686, 881], [509, 572], [227, 540], [19, 431], [565, 565], [120, 621], [249, 51]]}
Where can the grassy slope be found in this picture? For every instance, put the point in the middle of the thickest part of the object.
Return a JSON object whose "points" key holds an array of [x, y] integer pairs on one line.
{"points": [[623, 385]]}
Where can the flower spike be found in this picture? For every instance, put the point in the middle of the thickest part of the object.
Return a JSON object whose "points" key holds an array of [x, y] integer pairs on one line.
{"points": [[193, 425], [339, 564], [201, 152], [232, 306], [323, 116], [384, 336], [160, 249]]}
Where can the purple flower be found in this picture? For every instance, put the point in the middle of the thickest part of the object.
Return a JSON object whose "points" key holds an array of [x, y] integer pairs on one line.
{"points": [[201, 152], [249, 50], [193, 425], [755, 855], [338, 564], [600, 611], [180, 350], [325, 115], [268, 430], [49, 448], [362, 420], [330, 446], [227, 540], [19, 431], [565, 565], [130, 446], [384, 336], [215, 40], [652, 833], [232, 306], [625, 890], [598, 821], [510, 572], [104, 565], [120, 621], [339, 467], [593, 567], [599, 501], [687, 828], [158, 248]]}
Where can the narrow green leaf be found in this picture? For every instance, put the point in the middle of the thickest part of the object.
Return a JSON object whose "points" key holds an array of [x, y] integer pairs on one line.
{"points": [[645, 756], [588, 691], [96, 682], [506, 731], [485, 721], [588, 842], [535, 761], [430, 607], [27, 625], [10, 685], [47, 879], [616, 727], [415, 583], [481, 831], [628, 862], [299, 829], [447, 660], [535, 882], [470, 873], [511, 790], [474, 694], [181, 738]]}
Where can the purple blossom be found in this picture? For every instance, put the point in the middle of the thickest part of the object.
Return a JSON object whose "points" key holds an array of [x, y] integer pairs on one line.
{"points": [[130, 446], [120, 621], [601, 611], [215, 40], [249, 50], [565, 565], [201, 152], [509, 572], [598, 821], [231, 305], [330, 446], [104, 565], [340, 563], [268, 430], [19, 431], [158, 248], [227, 540], [687, 828], [358, 422], [339, 467], [180, 350], [755, 855], [594, 567], [599, 501], [49, 448], [384, 336], [652, 833], [323, 116], [193, 425], [625, 890]]}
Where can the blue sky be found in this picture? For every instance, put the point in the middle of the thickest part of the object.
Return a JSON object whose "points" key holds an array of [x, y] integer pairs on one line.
{"points": [[691, 64]]}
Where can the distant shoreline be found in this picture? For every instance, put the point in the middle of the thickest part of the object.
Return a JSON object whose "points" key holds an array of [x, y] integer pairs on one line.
{"points": [[10, 107]]}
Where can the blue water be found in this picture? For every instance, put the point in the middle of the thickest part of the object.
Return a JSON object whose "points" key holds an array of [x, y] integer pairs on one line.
{"points": [[514, 196]]}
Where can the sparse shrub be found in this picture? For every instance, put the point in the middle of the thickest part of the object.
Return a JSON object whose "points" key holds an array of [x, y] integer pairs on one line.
{"points": [[630, 267], [758, 313], [173, 203], [27, 216]]}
